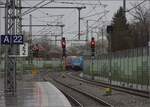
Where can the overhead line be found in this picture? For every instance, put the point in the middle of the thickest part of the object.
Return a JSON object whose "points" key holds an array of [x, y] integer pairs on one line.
{"points": [[26, 7], [67, 40], [78, 3], [75, 3], [46, 35], [30, 9], [35, 7], [93, 14], [86, 0], [54, 7], [42, 11], [41, 25], [136, 5]]}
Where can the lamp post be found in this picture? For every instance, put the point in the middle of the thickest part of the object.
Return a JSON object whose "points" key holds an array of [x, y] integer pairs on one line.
{"points": [[148, 55]]}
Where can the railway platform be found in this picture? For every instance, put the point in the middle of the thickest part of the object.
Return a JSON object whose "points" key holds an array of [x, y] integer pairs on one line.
{"points": [[35, 94]]}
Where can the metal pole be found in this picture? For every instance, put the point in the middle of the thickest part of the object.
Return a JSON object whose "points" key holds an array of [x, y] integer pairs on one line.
{"points": [[79, 9], [110, 70], [10, 63], [0, 34], [0, 20], [92, 68], [19, 29], [102, 42], [55, 40], [87, 33], [91, 33], [30, 37], [62, 31], [124, 7], [148, 53], [148, 81], [14, 48], [6, 47], [87, 30], [61, 37], [62, 56]]}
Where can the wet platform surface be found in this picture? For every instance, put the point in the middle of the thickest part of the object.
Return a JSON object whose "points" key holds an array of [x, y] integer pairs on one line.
{"points": [[35, 94]]}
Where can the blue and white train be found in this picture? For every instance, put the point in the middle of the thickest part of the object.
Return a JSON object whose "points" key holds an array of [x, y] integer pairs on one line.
{"points": [[74, 62]]}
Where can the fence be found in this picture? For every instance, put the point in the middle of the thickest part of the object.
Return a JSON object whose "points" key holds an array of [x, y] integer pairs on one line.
{"points": [[129, 67], [25, 65]]}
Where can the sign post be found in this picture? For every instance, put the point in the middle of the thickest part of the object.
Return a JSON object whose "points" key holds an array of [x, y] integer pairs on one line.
{"points": [[11, 39], [10, 60], [23, 50]]}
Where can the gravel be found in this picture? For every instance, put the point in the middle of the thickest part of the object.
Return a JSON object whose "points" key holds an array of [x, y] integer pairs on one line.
{"points": [[84, 100], [117, 98]]}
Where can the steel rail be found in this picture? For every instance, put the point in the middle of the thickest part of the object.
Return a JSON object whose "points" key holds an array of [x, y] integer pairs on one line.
{"points": [[75, 101], [71, 98], [104, 103], [140, 93]]}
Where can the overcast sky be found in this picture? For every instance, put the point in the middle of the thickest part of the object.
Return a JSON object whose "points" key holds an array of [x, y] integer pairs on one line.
{"points": [[69, 17]]}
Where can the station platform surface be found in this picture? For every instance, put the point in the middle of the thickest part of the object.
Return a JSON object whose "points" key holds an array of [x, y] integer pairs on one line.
{"points": [[35, 94]]}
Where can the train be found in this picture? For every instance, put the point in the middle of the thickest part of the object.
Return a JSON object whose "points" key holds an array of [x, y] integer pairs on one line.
{"points": [[74, 63]]}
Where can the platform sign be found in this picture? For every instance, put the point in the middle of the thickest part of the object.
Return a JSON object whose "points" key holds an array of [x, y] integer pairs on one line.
{"points": [[11, 39], [5, 39], [24, 50], [17, 39]]}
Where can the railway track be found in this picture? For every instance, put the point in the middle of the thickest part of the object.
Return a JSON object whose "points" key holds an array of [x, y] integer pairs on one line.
{"points": [[79, 97], [114, 87], [74, 102]]}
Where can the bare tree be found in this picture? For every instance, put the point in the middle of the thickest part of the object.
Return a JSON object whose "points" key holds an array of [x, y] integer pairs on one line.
{"points": [[141, 25]]}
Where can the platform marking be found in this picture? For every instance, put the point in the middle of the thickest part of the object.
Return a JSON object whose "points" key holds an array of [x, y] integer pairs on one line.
{"points": [[47, 95]]}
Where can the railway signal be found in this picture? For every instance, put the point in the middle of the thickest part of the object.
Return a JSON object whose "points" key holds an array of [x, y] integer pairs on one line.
{"points": [[93, 44], [63, 44], [109, 29], [35, 50]]}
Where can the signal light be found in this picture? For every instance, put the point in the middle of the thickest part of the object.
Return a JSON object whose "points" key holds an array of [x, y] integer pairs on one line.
{"points": [[93, 44], [35, 50], [63, 42], [109, 29]]}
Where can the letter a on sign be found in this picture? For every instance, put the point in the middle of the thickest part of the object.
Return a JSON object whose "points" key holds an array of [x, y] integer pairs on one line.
{"points": [[5, 39]]}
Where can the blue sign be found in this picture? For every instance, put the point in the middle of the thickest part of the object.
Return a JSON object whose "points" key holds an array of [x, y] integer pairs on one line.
{"points": [[11, 39], [17, 39], [5, 39]]}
